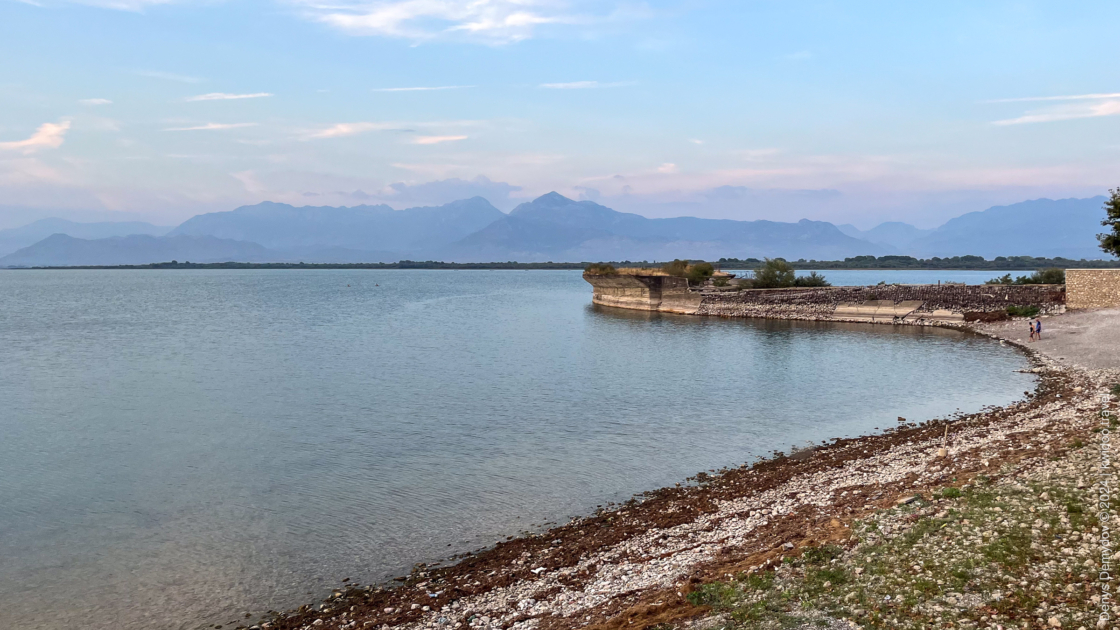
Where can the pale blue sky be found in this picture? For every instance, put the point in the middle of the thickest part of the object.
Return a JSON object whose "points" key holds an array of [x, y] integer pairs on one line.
{"points": [[859, 111]]}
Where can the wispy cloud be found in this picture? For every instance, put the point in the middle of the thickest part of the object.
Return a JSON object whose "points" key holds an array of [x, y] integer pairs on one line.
{"points": [[213, 127], [584, 85], [437, 139], [47, 136], [490, 21], [168, 76], [1068, 112], [695, 141], [423, 89], [95, 101], [1075, 97], [341, 130], [222, 96], [667, 168]]}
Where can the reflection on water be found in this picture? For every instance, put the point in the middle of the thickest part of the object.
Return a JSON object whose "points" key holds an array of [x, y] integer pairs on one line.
{"points": [[181, 447]]}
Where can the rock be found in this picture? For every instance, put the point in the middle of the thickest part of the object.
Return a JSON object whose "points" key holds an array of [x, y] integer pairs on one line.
{"points": [[415, 606], [317, 622], [426, 608], [1054, 622], [389, 611], [787, 545]]}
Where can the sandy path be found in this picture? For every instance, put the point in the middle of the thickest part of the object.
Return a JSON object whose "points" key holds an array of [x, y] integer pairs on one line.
{"points": [[1090, 339]]}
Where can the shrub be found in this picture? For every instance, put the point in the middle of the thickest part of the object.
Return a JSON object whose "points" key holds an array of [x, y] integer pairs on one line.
{"points": [[1004, 279], [1052, 275], [601, 269], [678, 268], [721, 281], [774, 273], [700, 272], [1022, 311], [1116, 390], [814, 279], [951, 493]]}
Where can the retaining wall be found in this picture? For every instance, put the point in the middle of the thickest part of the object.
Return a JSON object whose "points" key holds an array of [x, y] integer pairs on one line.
{"points": [[1093, 288], [903, 304]]}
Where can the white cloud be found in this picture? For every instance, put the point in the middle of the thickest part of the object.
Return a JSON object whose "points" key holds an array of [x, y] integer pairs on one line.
{"points": [[47, 136], [667, 168], [437, 139], [341, 130], [168, 76], [222, 96], [212, 127], [695, 141], [492, 21], [423, 89], [1076, 97], [1068, 112], [95, 101], [584, 85]]}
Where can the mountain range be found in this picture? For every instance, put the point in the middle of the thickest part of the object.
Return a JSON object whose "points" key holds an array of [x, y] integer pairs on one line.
{"points": [[549, 228]]}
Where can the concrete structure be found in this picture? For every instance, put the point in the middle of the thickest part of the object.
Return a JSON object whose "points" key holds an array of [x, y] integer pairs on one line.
{"points": [[893, 304], [1092, 288], [666, 294]]}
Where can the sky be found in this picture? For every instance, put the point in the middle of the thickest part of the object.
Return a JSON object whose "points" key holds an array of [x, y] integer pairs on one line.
{"points": [[851, 112]]}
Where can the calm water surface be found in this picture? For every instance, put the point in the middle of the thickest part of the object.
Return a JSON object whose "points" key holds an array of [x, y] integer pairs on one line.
{"points": [[181, 447]]}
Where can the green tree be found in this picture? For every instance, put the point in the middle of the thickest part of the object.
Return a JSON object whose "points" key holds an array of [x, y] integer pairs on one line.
{"points": [[1110, 241], [774, 273]]}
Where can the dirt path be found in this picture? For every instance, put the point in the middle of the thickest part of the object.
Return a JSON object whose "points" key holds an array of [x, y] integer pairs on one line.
{"points": [[1089, 339]]}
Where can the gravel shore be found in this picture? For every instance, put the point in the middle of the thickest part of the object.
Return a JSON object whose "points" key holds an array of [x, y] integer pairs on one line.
{"points": [[961, 522]]}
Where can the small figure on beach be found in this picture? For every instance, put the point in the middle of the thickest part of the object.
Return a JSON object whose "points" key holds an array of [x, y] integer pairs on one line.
{"points": [[1031, 325], [1038, 329]]}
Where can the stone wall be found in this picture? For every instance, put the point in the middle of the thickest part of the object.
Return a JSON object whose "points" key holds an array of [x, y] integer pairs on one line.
{"points": [[1093, 288], [951, 298]]}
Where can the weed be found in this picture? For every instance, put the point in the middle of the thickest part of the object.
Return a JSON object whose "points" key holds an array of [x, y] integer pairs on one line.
{"points": [[951, 493]]}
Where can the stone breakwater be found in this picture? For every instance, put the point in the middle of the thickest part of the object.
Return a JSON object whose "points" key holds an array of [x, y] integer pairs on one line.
{"points": [[899, 304], [638, 566]]}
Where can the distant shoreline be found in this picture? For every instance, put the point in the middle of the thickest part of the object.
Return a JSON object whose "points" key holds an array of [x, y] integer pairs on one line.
{"points": [[860, 263]]}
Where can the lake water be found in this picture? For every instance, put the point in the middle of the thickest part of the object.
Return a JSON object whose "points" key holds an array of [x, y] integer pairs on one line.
{"points": [[181, 447]]}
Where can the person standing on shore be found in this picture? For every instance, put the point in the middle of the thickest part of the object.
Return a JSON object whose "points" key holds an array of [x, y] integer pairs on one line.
{"points": [[1038, 329], [1030, 324]]}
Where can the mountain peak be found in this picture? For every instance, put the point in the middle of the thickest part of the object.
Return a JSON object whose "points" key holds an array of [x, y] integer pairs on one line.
{"points": [[552, 199]]}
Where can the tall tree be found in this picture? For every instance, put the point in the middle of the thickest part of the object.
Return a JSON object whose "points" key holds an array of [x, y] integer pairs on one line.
{"points": [[1110, 241]]}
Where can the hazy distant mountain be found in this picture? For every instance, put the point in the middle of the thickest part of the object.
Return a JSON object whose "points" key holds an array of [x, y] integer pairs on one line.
{"points": [[17, 238], [362, 228], [1042, 227], [62, 250], [894, 234], [553, 227]]}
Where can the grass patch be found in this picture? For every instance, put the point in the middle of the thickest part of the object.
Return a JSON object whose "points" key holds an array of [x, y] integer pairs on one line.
{"points": [[1022, 311], [951, 493]]}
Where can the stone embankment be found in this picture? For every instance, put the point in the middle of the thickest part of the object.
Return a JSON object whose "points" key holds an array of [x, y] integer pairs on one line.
{"points": [[898, 304]]}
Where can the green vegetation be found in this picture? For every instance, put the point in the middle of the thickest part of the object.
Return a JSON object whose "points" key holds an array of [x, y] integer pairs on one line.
{"points": [[814, 279], [700, 272], [1116, 389], [601, 269], [1022, 311], [678, 268], [1110, 241], [1052, 275], [775, 273]]}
